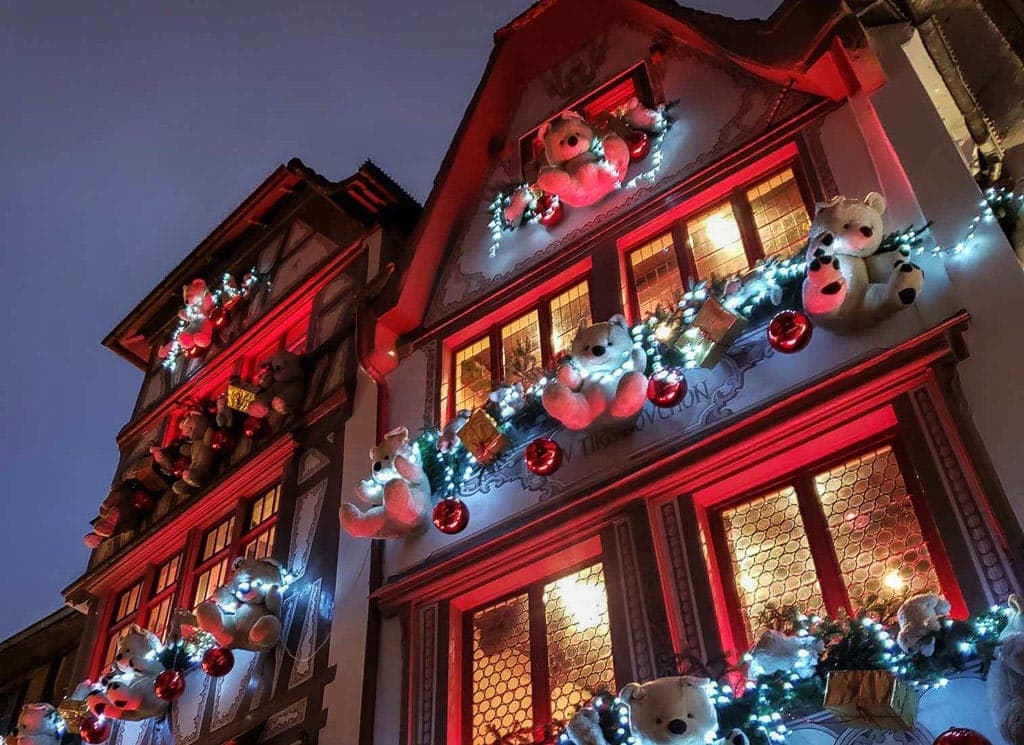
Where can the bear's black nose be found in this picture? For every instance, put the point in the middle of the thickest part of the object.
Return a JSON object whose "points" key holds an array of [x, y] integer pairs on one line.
{"points": [[677, 727], [597, 350], [866, 231], [376, 466], [97, 709], [828, 239], [114, 686], [572, 140]]}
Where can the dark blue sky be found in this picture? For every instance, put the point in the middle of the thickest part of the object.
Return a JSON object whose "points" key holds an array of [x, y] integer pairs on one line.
{"points": [[127, 132]]}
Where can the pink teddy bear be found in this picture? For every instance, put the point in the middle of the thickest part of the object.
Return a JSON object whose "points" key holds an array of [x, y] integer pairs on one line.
{"points": [[198, 303]]}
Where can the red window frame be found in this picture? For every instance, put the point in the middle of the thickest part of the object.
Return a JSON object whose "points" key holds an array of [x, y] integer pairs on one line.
{"points": [[732, 190], [797, 469], [539, 303]]}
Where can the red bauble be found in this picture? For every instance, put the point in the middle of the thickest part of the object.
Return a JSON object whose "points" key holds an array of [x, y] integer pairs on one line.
{"points": [[639, 143], [666, 387], [222, 440], [451, 516], [219, 316], [254, 427], [94, 729], [549, 210], [961, 736], [543, 456], [217, 662], [169, 685], [143, 501], [789, 331]]}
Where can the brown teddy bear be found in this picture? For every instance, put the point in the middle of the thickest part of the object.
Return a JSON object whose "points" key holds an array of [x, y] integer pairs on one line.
{"points": [[282, 383], [246, 612], [194, 445], [583, 165]]}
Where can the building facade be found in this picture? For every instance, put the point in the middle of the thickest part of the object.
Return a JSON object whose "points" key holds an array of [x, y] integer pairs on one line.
{"points": [[634, 181]]}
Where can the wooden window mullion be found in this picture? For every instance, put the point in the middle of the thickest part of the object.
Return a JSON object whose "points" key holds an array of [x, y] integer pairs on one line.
{"points": [[823, 553], [684, 256], [497, 369], [723, 556], [146, 593], [539, 672], [544, 321], [744, 217]]}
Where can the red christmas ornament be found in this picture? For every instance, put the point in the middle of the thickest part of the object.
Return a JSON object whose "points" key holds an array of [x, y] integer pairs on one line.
{"points": [[217, 662], [543, 456], [639, 143], [451, 516], [666, 387], [789, 331], [143, 501], [219, 316], [961, 736], [549, 210], [222, 440], [94, 729], [254, 427], [169, 685]]}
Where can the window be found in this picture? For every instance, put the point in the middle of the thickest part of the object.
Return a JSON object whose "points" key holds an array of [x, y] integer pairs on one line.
{"points": [[768, 217], [162, 602], [126, 605], [836, 537], [536, 657], [518, 350]]}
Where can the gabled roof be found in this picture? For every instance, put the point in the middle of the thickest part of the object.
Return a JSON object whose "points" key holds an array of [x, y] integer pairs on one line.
{"points": [[791, 48], [369, 196]]}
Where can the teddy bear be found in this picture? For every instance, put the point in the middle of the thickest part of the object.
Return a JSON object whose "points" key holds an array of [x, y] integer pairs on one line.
{"points": [[38, 724], [675, 711], [397, 491], [604, 376], [449, 438], [282, 383], [638, 116], [849, 283], [777, 652], [138, 651], [520, 202], [198, 332], [120, 510], [583, 165], [246, 613], [195, 444], [126, 690], [1005, 685], [919, 617]]}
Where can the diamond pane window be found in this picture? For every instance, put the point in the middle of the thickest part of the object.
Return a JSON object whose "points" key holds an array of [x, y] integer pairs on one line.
{"points": [[568, 310], [520, 350], [875, 532], [473, 375], [771, 558], [538, 656], [779, 213], [656, 277], [716, 243]]}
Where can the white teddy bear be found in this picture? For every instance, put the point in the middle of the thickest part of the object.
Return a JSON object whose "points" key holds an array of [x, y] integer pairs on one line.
{"points": [[246, 612], [126, 690], [675, 711], [640, 117], [38, 724], [849, 284], [583, 165], [777, 652], [398, 492], [1006, 676], [919, 618], [605, 376]]}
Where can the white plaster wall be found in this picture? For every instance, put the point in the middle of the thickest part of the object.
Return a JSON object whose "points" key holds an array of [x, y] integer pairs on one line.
{"points": [[389, 683], [348, 632]]}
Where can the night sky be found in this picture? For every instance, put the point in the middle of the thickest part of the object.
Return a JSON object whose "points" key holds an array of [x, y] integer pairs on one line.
{"points": [[127, 132]]}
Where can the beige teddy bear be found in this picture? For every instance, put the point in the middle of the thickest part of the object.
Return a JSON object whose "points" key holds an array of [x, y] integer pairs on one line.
{"points": [[919, 618], [675, 711], [583, 165], [38, 724], [246, 612]]}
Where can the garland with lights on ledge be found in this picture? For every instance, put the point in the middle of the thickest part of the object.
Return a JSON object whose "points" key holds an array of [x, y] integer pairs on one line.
{"points": [[866, 641]]}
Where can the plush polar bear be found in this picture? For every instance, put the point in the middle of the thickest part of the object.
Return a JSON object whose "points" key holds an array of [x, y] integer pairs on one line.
{"points": [[38, 724], [246, 613], [397, 491], [640, 117], [919, 618], [283, 386], [583, 166], [675, 711], [138, 651], [777, 652], [605, 377], [126, 690], [1006, 676], [849, 284]]}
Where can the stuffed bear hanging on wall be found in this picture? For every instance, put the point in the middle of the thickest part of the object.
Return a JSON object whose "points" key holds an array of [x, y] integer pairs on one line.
{"points": [[606, 376], [197, 430], [126, 690], [584, 166], [1006, 676], [38, 724], [849, 284], [246, 612], [397, 492]]}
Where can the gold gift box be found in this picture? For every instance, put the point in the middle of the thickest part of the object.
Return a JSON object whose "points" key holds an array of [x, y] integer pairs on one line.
{"points": [[876, 699], [73, 712], [719, 328], [482, 438], [240, 396]]}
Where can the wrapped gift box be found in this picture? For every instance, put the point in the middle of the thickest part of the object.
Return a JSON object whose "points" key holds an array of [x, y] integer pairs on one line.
{"points": [[876, 699], [240, 395], [481, 437], [718, 328]]}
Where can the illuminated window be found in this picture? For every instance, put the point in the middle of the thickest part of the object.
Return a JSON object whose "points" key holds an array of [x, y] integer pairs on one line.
{"points": [[162, 602], [766, 217], [526, 345], [536, 657], [656, 277], [833, 539], [258, 542]]}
